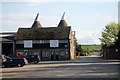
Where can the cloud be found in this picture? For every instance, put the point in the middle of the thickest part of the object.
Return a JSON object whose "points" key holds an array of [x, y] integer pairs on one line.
{"points": [[88, 37], [24, 1], [50, 20], [12, 21], [0, 21], [20, 19], [110, 18], [106, 18], [28, 2], [36, 2], [60, 0]]}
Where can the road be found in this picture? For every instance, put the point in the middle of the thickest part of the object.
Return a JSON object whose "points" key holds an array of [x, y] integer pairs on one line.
{"points": [[86, 67]]}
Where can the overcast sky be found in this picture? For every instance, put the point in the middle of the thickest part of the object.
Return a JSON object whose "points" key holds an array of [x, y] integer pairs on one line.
{"points": [[88, 19]]}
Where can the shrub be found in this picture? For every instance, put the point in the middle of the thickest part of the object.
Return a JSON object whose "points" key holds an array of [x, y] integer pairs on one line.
{"points": [[83, 54]]}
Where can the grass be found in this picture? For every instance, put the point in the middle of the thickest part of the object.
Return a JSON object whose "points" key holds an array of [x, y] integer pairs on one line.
{"points": [[91, 47]]}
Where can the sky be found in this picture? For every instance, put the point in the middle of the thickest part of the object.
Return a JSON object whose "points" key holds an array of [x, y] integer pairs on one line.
{"points": [[87, 18]]}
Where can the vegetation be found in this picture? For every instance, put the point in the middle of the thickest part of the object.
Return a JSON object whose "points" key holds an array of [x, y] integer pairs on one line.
{"points": [[109, 34], [81, 52], [84, 54], [91, 47], [84, 50]]}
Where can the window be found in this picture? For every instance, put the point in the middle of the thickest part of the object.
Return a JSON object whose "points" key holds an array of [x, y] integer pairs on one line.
{"points": [[63, 41], [20, 53], [46, 41], [45, 54], [36, 53], [36, 41], [62, 53], [41, 41], [19, 42]]}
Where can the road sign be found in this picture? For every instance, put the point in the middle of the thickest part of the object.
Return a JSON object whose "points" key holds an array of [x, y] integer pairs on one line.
{"points": [[54, 43]]}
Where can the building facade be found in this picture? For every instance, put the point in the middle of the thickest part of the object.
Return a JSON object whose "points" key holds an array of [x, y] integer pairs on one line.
{"points": [[50, 43]]}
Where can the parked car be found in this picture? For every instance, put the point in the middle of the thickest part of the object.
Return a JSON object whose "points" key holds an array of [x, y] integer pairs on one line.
{"points": [[20, 62], [33, 58], [3, 58], [16, 55]]}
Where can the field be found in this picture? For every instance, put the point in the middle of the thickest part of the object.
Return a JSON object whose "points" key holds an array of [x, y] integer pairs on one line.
{"points": [[91, 47]]}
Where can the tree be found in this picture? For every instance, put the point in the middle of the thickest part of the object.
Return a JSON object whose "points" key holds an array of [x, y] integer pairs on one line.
{"points": [[109, 34], [78, 48]]}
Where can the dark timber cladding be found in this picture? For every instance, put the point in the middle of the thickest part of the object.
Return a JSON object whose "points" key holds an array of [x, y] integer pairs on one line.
{"points": [[41, 39]]}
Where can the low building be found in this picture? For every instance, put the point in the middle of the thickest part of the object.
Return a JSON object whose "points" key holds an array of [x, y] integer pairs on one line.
{"points": [[7, 43], [50, 43]]}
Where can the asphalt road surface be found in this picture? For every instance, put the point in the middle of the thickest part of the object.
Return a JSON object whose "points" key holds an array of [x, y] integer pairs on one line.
{"points": [[86, 67]]}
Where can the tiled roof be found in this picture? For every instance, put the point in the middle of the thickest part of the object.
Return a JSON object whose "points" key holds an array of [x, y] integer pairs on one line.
{"points": [[62, 23], [36, 23], [43, 33]]}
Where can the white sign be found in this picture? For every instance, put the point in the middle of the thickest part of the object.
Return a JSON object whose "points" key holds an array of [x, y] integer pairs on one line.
{"points": [[27, 43], [54, 43]]}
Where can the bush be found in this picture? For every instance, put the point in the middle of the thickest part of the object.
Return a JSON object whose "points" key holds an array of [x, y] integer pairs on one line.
{"points": [[83, 54], [101, 54], [90, 54]]}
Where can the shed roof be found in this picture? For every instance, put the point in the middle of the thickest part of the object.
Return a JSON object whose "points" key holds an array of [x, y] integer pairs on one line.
{"points": [[5, 40], [7, 37]]}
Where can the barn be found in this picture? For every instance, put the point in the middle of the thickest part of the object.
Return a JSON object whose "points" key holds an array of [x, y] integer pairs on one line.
{"points": [[50, 43]]}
